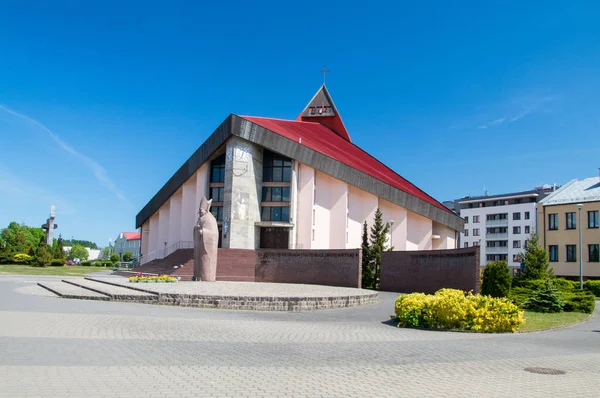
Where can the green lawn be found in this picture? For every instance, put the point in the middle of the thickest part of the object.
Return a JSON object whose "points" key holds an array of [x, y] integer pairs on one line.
{"points": [[65, 270], [541, 321]]}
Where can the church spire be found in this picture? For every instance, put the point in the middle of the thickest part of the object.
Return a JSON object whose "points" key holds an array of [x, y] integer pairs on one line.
{"points": [[321, 109]]}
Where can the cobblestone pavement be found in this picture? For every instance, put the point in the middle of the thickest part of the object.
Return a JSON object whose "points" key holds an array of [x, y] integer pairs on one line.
{"points": [[51, 347]]}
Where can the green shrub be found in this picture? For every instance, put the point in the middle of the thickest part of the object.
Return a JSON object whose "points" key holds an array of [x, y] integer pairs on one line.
{"points": [[6, 258], [107, 264], [546, 299], [127, 256], [592, 286], [43, 257], [533, 284], [565, 285], [85, 263], [579, 301], [452, 309], [496, 280], [57, 263], [98, 263], [114, 258], [519, 295]]}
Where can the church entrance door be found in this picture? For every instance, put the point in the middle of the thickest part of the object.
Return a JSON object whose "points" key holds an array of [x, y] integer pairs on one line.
{"points": [[274, 238]]}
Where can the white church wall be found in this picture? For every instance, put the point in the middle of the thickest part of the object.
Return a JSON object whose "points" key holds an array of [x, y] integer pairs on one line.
{"points": [[154, 232], [361, 207], [420, 230], [304, 216], [400, 229], [201, 184], [188, 209], [163, 226], [323, 198], [175, 217], [145, 237], [338, 213], [447, 237]]}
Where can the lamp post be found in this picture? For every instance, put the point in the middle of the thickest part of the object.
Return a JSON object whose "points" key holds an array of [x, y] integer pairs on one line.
{"points": [[391, 234], [580, 206]]}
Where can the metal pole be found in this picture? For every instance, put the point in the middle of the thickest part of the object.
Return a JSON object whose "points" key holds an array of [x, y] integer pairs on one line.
{"points": [[579, 206]]}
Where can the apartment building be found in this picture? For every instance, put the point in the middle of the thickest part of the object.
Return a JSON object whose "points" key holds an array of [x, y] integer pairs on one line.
{"points": [[565, 215], [500, 224]]}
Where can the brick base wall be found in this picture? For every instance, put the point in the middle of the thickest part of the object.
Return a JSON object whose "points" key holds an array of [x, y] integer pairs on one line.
{"points": [[430, 270], [320, 267]]}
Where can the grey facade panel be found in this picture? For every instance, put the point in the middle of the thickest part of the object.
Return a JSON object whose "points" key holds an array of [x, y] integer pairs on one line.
{"points": [[216, 139], [277, 143]]}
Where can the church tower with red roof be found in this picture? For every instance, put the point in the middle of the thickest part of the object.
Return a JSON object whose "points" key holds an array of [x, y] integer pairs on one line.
{"points": [[321, 109]]}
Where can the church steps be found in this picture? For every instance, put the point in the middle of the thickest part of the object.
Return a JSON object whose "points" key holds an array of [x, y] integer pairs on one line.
{"points": [[66, 290], [112, 291]]}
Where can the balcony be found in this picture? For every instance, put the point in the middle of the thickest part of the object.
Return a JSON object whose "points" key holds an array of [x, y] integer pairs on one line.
{"points": [[497, 223], [497, 236], [496, 250]]}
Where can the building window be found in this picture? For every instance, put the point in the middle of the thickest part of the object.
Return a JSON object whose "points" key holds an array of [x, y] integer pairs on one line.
{"points": [[516, 258], [216, 194], [217, 169], [276, 194], [571, 221], [275, 213], [553, 249], [527, 229], [276, 168], [571, 253], [516, 230], [475, 231], [527, 215], [593, 251], [466, 219], [553, 222], [497, 257], [516, 244], [217, 211], [475, 219], [466, 244], [593, 219], [495, 217], [516, 216], [466, 232], [475, 243]]}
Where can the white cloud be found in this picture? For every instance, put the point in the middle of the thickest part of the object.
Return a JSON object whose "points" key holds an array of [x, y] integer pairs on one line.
{"points": [[97, 169], [519, 107]]}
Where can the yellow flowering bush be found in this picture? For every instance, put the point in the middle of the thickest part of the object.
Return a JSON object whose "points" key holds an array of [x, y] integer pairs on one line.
{"points": [[152, 278], [452, 309], [22, 258]]}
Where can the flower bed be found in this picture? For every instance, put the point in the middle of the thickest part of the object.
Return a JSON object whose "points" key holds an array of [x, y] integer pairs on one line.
{"points": [[152, 279], [452, 309]]}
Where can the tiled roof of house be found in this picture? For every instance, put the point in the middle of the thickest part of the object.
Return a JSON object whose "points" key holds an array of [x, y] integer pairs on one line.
{"points": [[131, 235]]}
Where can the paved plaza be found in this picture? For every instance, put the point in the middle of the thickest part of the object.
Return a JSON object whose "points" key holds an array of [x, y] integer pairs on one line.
{"points": [[53, 347]]}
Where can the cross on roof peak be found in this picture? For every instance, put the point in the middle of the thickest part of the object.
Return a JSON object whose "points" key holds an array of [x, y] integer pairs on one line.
{"points": [[324, 71]]}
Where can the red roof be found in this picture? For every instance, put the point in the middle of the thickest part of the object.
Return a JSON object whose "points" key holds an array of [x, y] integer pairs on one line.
{"points": [[131, 235], [321, 139]]}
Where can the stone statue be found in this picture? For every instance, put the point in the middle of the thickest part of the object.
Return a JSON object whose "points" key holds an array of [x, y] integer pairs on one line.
{"points": [[206, 240]]}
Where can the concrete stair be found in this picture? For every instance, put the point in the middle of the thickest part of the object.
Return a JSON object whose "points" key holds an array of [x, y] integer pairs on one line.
{"points": [[86, 289]]}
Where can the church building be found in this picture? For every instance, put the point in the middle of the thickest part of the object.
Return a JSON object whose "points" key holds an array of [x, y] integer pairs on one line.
{"points": [[293, 184]]}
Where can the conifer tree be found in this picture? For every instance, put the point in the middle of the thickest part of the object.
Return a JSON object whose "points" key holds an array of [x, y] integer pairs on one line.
{"points": [[379, 232], [536, 260], [367, 264]]}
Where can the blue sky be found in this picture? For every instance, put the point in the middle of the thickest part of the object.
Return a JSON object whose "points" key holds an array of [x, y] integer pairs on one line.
{"points": [[103, 102]]}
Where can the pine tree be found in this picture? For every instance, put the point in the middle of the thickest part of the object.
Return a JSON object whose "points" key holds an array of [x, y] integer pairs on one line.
{"points": [[536, 260], [379, 232], [367, 264]]}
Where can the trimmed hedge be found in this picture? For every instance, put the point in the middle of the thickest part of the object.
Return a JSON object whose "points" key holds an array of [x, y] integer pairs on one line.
{"points": [[579, 301], [452, 309], [57, 263], [85, 263], [592, 286]]}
